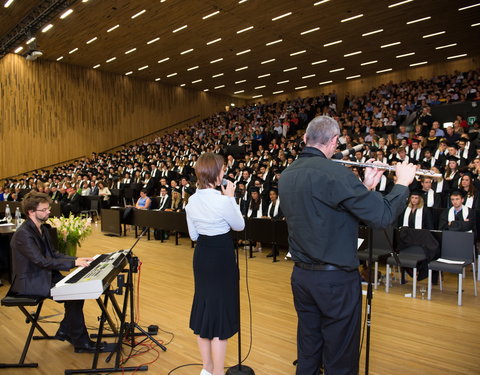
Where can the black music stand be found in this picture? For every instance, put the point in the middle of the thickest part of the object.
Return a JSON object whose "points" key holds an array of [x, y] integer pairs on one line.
{"points": [[127, 329]]}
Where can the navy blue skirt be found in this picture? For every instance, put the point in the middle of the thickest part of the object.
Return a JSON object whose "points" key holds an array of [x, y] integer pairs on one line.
{"points": [[215, 303]]}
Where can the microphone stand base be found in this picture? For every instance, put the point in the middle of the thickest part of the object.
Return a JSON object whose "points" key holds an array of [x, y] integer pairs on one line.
{"points": [[240, 370]]}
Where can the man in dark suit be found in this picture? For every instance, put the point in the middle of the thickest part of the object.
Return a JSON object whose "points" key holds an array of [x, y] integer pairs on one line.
{"points": [[36, 266]]}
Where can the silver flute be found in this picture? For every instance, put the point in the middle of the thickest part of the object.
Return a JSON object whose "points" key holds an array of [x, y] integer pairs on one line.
{"points": [[420, 172]]}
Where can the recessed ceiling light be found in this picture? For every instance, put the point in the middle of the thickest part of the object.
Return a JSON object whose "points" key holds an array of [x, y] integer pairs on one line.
{"points": [[352, 54], [369, 62], [31, 40], [153, 40], [325, 82], [96, 66], [418, 20], [309, 31], [372, 32], [384, 70], [277, 92], [8, 3], [475, 24], [352, 77], [469, 6], [405, 55], [260, 87], [267, 61], [163, 60], [399, 3], [186, 51], [210, 15], [456, 56], [290, 69], [298, 52], [352, 18], [171, 75], [197, 80], [138, 14], [419, 63], [18, 49], [60, 58], [113, 28], [282, 82], [66, 14], [242, 1], [320, 2], [245, 29], [111, 59], [206, 90], [282, 16], [130, 51], [433, 34], [73, 51], [243, 52], [214, 41], [256, 96], [391, 44], [241, 68], [128, 73], [319, 62], [241, 81], [264, 75], [219, 87], [46, 28], [143, 67], [217, 75], [336, 70], [300, 87], [180, 28], [309, 76], [91, 40], [216, 60], [182, 85], [332, 43], [157, 79], [239, 92], [446, 46], [193, 68], [274, 42]]}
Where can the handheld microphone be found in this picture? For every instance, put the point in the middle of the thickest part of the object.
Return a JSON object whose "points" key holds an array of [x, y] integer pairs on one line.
{"points": [[340, 155]]}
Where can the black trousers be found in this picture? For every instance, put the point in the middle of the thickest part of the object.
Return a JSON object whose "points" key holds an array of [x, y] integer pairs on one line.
{"points": [[329, 309]]}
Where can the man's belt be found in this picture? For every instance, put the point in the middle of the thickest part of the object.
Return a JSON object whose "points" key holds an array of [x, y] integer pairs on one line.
{"points": [[321, 267]]}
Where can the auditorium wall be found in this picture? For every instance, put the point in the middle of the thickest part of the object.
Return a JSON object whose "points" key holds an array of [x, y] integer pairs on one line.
{"points": [[361, 85], [52, 112]]}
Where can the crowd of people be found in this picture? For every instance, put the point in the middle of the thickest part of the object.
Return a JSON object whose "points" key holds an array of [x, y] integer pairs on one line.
{"points": [[259, 141]]}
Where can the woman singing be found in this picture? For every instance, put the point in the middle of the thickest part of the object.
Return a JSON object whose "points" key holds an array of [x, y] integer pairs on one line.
{"points": [[210, 216]]}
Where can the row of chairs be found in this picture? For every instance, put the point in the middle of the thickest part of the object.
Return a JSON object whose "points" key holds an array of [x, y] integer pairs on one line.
{"points": [[457, 253]]}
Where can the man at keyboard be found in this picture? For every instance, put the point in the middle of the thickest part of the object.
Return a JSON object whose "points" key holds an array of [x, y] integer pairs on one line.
{"points": [[36, 265]]}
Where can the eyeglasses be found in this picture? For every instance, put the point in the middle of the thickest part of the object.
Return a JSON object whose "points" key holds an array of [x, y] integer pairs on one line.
{"points": [[45, 209]]}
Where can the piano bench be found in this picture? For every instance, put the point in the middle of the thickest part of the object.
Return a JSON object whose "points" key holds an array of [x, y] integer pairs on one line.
{"points": [[21, 301]]}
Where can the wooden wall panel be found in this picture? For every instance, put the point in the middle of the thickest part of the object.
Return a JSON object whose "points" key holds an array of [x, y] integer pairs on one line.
{"points": [[361, 85], [51, 112]]}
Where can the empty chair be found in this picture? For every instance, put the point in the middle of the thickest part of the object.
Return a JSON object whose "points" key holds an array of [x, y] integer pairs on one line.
{"points": [[457, 253], [381, 249]]}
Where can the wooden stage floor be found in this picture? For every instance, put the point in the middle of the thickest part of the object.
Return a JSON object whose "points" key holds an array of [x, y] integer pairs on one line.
{"points": [[409, 336]]}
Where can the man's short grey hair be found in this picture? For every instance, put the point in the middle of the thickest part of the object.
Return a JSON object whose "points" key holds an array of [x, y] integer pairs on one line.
{"points": [[321, 130]]}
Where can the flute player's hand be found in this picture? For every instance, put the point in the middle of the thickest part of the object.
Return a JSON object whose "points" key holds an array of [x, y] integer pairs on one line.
{"points": [[405, 173], [372, 175]]}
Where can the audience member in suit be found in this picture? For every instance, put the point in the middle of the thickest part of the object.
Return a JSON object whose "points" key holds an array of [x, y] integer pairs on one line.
{"points": [[458, 217], [164, 200], [149, 184], [36, 267], [71, 203], [93, 188]]}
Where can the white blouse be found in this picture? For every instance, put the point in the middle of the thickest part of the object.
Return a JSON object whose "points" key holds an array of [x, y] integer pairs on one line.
{"points": [[211, 213]]}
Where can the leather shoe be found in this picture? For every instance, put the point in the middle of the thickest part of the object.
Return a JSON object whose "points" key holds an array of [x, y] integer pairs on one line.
{"points": [[89, 347], [62, 336]]}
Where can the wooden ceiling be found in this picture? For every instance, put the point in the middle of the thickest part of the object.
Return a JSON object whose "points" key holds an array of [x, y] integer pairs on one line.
{"points": [[243, 64]]}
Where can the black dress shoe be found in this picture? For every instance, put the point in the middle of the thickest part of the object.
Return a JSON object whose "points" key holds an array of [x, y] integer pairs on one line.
{"points": [[89, 347], [62, 336]]}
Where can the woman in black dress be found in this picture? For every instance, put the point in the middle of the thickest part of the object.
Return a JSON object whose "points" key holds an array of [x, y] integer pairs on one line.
{"points": [[211, 215]]}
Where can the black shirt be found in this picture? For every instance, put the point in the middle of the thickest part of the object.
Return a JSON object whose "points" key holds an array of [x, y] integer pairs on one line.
{"points": [[323, 202]]}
